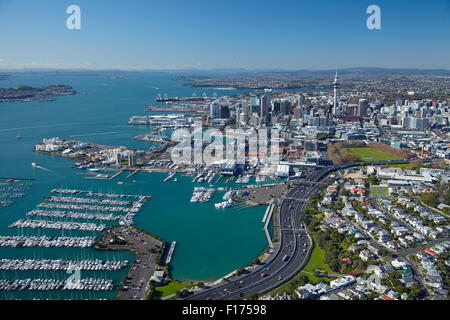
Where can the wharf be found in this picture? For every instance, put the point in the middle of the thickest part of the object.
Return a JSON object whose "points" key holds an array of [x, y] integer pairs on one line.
{"points": [[117, 174], [170, 254], [146, 249], [268, 212], [133, 173], [266, 230]]}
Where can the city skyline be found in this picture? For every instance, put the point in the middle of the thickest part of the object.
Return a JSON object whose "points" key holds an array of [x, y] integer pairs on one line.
{"points": [[238, 35]]}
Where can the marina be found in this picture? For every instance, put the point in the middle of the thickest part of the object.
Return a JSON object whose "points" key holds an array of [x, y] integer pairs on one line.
{"points": [[201, 194], [223, 205], [53, 284], [68, 118], [13, 190], [170, 176], [48, 205], [56, 265], [58, 225], [73, 215], [46, 242]]}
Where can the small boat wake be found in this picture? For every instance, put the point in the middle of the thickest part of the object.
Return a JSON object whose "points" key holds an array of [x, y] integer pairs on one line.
{"points": [[34, 165]]}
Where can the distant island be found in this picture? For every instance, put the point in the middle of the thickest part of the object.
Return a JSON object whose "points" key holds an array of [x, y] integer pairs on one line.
{"points": [[117, 77], [26, 93]]}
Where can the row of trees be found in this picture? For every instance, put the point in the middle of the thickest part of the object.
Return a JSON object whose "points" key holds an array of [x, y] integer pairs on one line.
{"points": [[392, 280], [339, 155], [334, 244], [441, 195]]}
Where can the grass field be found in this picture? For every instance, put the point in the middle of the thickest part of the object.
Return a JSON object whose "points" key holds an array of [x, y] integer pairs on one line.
{"points": [[378, 191], [370, 154], [170, 288]]}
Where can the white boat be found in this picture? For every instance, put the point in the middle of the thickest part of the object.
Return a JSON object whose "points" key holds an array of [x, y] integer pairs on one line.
{"points": [[228, 195], [224, 205], [260, 178], [33, 164]]}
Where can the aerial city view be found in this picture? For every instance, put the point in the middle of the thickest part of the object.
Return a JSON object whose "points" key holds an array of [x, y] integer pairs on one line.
{"points": [[240, 150]]}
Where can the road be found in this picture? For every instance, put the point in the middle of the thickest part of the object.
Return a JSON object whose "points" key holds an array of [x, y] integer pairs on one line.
{"points": [[293, 241], [141, 244], [290, 252]]}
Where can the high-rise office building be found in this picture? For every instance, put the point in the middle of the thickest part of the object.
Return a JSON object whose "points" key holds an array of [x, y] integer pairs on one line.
{"points": [[363, 106], [300, 101], [264, 105], [245, 108], [284, 107], [276, 106], [224, 112], [254, 102], [237, 116], [131, 159], [214, 110], [297, 113]]}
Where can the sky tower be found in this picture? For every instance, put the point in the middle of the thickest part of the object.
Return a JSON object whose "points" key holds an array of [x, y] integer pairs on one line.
{"points": [[336, 87]]}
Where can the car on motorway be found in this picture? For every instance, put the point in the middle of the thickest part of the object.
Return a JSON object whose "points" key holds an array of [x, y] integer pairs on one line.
{"points": [[263, 275]]}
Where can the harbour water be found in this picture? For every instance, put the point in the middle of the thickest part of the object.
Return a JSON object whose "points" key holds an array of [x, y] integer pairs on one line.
{"points": [[210, 242]]}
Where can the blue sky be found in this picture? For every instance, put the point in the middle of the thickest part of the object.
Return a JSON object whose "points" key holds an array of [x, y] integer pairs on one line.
{"points": [[207, 34]]}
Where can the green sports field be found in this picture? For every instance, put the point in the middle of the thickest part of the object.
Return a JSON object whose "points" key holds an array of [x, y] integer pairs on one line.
{"points": [[370, 154], [378, 191]]}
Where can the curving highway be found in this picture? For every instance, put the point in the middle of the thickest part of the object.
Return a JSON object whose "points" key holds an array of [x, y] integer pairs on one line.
{"points": [[292, 247], [289, 254]]}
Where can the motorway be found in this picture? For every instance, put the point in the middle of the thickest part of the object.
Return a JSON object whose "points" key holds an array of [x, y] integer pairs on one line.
{"points": [[293, 241], [290, 253]]}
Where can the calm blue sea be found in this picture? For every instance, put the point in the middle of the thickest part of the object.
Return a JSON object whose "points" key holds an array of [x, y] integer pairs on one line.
{"points": [[210, 242]]}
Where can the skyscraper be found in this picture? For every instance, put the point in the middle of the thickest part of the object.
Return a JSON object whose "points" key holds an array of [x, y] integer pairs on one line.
{"points": [[254, 101], [299, 109], [224, 112], [245, 108], [214, 111], [283, 107], [237, 116], [264, 105], [300, 101], [363, 105]]}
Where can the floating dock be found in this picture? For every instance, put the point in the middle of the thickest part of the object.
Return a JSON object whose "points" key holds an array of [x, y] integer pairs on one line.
{"points": [[133, 173], [117, 174]]}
